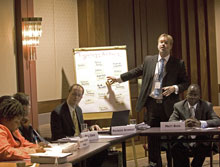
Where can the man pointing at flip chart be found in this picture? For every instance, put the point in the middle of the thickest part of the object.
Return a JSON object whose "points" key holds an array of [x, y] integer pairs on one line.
{"points": [[163, 79]]}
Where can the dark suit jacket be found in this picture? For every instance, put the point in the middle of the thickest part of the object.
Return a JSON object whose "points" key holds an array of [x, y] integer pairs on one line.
{"points": [[31, 135], [204, 111], [61, 121], [175, 74]]}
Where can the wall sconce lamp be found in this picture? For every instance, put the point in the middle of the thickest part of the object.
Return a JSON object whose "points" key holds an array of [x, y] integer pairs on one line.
{"points": [[32, 31]]}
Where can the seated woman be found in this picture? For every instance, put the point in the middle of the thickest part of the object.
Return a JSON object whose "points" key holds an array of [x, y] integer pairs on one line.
{"points": [[26, 128], [13, 146]]}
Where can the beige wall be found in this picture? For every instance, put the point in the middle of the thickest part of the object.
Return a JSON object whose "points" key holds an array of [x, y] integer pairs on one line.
{"points": [[217, 23], [8, 83], [55, 68]]}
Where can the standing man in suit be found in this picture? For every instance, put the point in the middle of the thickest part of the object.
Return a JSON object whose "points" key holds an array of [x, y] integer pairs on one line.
{"points": [[163, 79], [195, 113]]}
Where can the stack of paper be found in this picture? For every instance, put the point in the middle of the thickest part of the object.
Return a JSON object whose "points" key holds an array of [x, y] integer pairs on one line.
{"points": [[57, 153], [49, 157]]}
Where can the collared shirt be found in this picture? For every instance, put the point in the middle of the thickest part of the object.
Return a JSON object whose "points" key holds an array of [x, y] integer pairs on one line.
{"points": [[203, 123], [192, 106], [156, 73], [119, 80]]}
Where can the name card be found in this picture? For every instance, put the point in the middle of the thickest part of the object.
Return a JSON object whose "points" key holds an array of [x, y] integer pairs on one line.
{"points": [[92, 135], [172, 125], [83, 142], [120, 130]]}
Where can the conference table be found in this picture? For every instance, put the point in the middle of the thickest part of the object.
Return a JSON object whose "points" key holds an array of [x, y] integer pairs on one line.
{"points": [[115, 139], [84, 153], [76, 157], [105, 141], [96, 146], [171, 134]]}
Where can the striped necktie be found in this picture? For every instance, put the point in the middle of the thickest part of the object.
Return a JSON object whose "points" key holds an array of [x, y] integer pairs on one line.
{"points": [[157, 92], [192, 112], [161, 70]]}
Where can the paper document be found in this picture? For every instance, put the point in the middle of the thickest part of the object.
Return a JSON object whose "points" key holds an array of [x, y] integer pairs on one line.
{"points": [[109, 136], [63, 147], [68, 139]]}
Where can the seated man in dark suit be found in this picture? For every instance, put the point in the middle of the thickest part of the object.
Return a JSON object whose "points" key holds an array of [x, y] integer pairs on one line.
{"points": [[196, 113], [66, 120]]}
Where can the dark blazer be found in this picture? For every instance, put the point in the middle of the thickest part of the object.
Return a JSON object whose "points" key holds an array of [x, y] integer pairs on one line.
{"points": [[175, 74], [204, 111], [61, 121], [31, 135]]}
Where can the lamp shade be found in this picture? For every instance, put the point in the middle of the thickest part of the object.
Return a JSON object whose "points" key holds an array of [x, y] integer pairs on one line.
{"points": [[32, 31]]}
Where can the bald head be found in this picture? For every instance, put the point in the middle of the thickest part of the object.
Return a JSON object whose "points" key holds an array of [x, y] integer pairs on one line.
{"points": [[193, 94]]}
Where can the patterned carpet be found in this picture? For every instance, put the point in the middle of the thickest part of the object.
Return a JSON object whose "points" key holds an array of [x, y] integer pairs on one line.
{"points": [[143, 162]]}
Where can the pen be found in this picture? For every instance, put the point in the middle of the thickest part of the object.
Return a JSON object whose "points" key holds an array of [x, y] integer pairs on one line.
{"points": [[35, 138]]}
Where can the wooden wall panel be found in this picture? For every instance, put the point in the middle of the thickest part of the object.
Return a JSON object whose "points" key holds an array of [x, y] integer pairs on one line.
{"points": [[93, 23], [199, 45], [211, 51], [202, 47], [122, 31], [121, 27], [143, 29], [191, 34], [48, 106], [183, 33], [82, 21], [101, 16], [174, 26], [90, 7], [137, 29], [157, 23]]}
